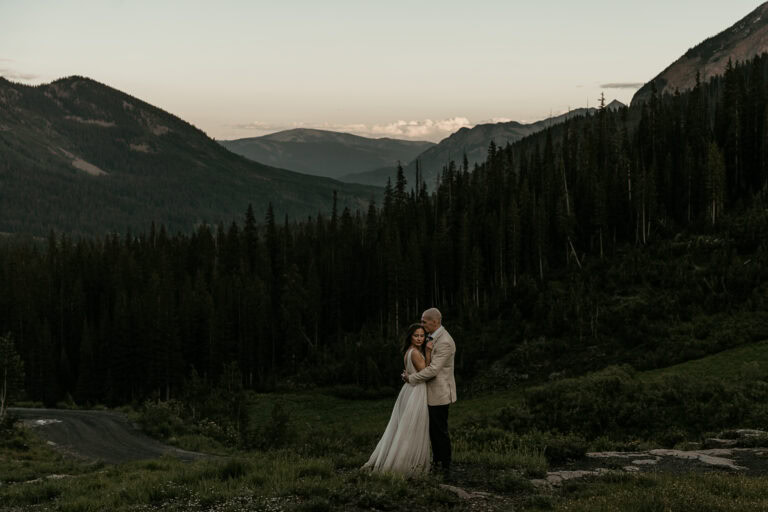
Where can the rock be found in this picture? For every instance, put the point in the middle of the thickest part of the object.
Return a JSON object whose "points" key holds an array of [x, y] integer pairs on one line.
{"points": [[717, 452], [717, 442], [748, 432], [458, 491], [631, 469], [709, 457], [616, 455], [556, 478], [741, 433], [48, 477], [461, 493], [645, 462]]}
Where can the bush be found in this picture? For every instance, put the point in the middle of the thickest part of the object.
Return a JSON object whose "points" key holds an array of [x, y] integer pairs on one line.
{"points": [[11, 436], [162, 419], [616, 402], [8, 423], [277, 433], [515, 418], [216, 412], [512, 483]]}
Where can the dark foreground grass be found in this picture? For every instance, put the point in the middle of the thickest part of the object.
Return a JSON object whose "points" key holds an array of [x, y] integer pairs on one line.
{"points": [[272, 481], [316, 468], [692, 492]]}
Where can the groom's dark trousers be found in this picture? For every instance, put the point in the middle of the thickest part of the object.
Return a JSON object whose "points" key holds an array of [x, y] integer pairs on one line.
{"points": [[438, 436]]}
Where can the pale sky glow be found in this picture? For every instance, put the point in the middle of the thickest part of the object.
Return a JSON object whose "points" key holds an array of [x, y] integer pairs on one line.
{"points": [[405, 69]]}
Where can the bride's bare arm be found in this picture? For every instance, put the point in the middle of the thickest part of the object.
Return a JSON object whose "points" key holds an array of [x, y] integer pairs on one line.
{"points": [[429, 353], [418, 360]]}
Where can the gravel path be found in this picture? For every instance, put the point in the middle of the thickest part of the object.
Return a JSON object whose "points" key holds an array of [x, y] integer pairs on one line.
{"points": [[96, 435]]}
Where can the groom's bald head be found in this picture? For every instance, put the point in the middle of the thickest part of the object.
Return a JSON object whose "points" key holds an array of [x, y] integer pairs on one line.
{"points": [[431, 319]]}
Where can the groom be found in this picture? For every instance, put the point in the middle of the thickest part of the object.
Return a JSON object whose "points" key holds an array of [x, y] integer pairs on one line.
{"points": [[441, 386]]}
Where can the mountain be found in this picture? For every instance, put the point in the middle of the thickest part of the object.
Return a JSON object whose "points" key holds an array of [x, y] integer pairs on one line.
{"points": [[80, 157], [473, 142], [742, 41], [326, 153], [376, 177]]}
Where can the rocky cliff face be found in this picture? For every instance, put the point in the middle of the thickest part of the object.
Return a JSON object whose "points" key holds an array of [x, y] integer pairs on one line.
{"points": [[745, 39]]}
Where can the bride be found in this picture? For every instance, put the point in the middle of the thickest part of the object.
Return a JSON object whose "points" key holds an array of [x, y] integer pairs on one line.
{"points": [[404, 447]]}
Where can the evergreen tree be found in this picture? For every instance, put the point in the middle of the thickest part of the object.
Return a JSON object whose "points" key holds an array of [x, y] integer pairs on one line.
{"points": [[11, 374]]}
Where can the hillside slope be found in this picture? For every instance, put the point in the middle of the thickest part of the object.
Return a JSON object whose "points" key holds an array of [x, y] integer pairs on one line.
{"points": [[472, 142], [326, 153], [742, 41], [80, 157]]}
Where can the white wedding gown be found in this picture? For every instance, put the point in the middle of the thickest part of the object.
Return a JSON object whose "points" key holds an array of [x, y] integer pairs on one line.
{"points": [[404, 447]]}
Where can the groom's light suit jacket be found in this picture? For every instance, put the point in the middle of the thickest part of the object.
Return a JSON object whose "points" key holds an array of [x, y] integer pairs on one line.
{"points": [[441, 386]]}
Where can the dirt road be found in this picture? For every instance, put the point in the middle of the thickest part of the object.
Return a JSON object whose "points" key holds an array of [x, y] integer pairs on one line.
{"points": [[96, 435]]}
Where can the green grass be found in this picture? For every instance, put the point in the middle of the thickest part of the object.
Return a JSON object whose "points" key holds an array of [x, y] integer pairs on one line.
{"points": [[250, 482], [24, 457], [694, 492], [317, 469], [728, 364], [331, 438], [313, 411]]}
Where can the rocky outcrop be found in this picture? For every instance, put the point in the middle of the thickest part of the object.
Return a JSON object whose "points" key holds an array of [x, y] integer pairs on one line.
{"points": [[733, 459], [744, 40]]}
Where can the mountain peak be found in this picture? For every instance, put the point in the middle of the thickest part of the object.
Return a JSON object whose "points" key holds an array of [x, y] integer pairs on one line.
{"points": [[306, 135], [745, 39], [324, 152], [105, 160]]}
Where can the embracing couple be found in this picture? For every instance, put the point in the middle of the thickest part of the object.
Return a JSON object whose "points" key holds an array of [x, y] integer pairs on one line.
{"points": [[420, 415]]}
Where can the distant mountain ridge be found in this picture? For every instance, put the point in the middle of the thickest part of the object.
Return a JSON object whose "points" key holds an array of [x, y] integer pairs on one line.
{"points": [[742, 41], [473, 142], [325, 153], [81, 157]]}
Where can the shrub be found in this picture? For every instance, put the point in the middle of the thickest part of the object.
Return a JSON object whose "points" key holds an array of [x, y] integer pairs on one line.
{"points": [[162, 419], [512, 483], [515, 418], [618, 403], [277, 433]]}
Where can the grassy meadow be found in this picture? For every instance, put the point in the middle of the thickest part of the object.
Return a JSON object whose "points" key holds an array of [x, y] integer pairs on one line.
{"points": [[319, 440]]}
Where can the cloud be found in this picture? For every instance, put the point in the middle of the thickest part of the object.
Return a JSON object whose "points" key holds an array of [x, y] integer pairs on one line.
{"points": [[494, 120], [425, 129], [261, 126], [15, 75], [12, 74], [622, 85]]}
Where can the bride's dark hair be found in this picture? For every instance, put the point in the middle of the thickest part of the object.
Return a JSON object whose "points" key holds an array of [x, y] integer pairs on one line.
{"points": [[407, 342]]}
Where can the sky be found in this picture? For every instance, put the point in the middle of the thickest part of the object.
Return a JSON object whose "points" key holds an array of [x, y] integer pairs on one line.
{"points": [[403, 69]]}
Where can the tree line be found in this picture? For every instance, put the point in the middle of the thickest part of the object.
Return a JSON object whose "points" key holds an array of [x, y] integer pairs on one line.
{"points": [[323, 301]]}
